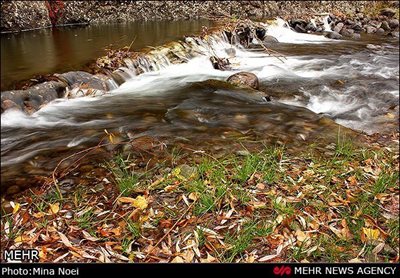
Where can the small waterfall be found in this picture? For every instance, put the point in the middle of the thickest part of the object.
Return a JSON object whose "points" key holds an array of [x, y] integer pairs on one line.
{"points": [[172, 53], [327, 26]]}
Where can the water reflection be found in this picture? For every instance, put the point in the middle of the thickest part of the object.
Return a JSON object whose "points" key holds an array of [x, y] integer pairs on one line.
{"points": [[58, 50]]}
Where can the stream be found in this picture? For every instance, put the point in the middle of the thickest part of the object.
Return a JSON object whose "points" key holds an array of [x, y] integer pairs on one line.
{"points": [[320, 84]]}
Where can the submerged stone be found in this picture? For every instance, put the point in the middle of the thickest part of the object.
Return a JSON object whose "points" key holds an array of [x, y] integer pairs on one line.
{"points": [[246, 79]]}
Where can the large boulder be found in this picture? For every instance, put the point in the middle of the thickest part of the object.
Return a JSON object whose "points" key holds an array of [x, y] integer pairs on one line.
{"points": [[244, 79]]}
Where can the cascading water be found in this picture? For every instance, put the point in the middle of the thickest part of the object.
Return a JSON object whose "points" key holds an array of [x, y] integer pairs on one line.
{"points": [[165, 94]]}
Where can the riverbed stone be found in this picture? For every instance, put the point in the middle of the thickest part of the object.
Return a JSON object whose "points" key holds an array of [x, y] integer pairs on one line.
{"points": [[380, 31], [9, 104], [387, 12], [393, 23], [33, 98], [356, 36], [370, 29], [347, 32], [385, 26], [334, 35], [246, 79], [338, 27], [269, 39], [85, 79]]}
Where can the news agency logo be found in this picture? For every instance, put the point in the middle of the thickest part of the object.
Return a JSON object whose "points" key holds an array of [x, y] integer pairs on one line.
{"points": [[21, 255], [282, 270]]}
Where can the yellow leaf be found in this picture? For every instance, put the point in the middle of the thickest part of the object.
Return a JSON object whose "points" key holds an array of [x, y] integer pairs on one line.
{"points": [[140, 202], [126, 200], [54, 208], [23, 238], [39, 214], [371, 234], [16, 207]]}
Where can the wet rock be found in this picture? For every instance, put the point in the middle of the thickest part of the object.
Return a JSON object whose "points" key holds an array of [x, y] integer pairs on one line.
{"points": [[260, 33], [356, 36], [334, 35], [394, 34], [385, 26], [33, 98], [85, 79], [393, 23], [347, 32], [370, 29], [338, 27], [299, 29], [375, 24], [269, 39], [9, 104], [244, 79], [380, 31], [311, 27], [219, 63], [357, 27], [387, 12]]}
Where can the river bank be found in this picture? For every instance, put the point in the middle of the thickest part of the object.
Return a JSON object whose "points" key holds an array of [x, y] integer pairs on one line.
{"points": [[266, 204], [26, 15]]}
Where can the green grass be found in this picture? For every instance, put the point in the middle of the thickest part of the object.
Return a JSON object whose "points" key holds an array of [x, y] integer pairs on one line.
{"points": [[85, 220], [126, 180], [242, 240], [133, 228]]}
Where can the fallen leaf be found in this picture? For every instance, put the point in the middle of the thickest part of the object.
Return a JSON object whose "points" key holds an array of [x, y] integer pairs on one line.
{"points": [[39, 214], [54, 208], [177, 259], [267, 258], [15, 206], [369, 235], [89, 237], [64, 240], [140, 202]]}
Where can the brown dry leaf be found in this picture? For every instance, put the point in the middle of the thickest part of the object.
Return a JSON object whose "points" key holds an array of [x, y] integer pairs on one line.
{"points": [[116, 231], [209, 259], [352, 180], [301, 236], [170, 188], [267, 258], [54, 208], [177, 259], [188, 255], [64, 240], [89, 237], [346, 231], [193, 196]]}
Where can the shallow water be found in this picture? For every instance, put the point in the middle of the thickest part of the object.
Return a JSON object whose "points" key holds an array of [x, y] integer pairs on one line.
{"points": [[351, 82], [26, 54]]}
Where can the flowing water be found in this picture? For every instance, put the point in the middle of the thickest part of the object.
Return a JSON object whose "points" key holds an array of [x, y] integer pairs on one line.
{"points": [[354, 83]]}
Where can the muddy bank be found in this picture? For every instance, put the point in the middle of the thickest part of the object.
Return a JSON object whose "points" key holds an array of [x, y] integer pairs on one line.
{"points": [[24, 15]]}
